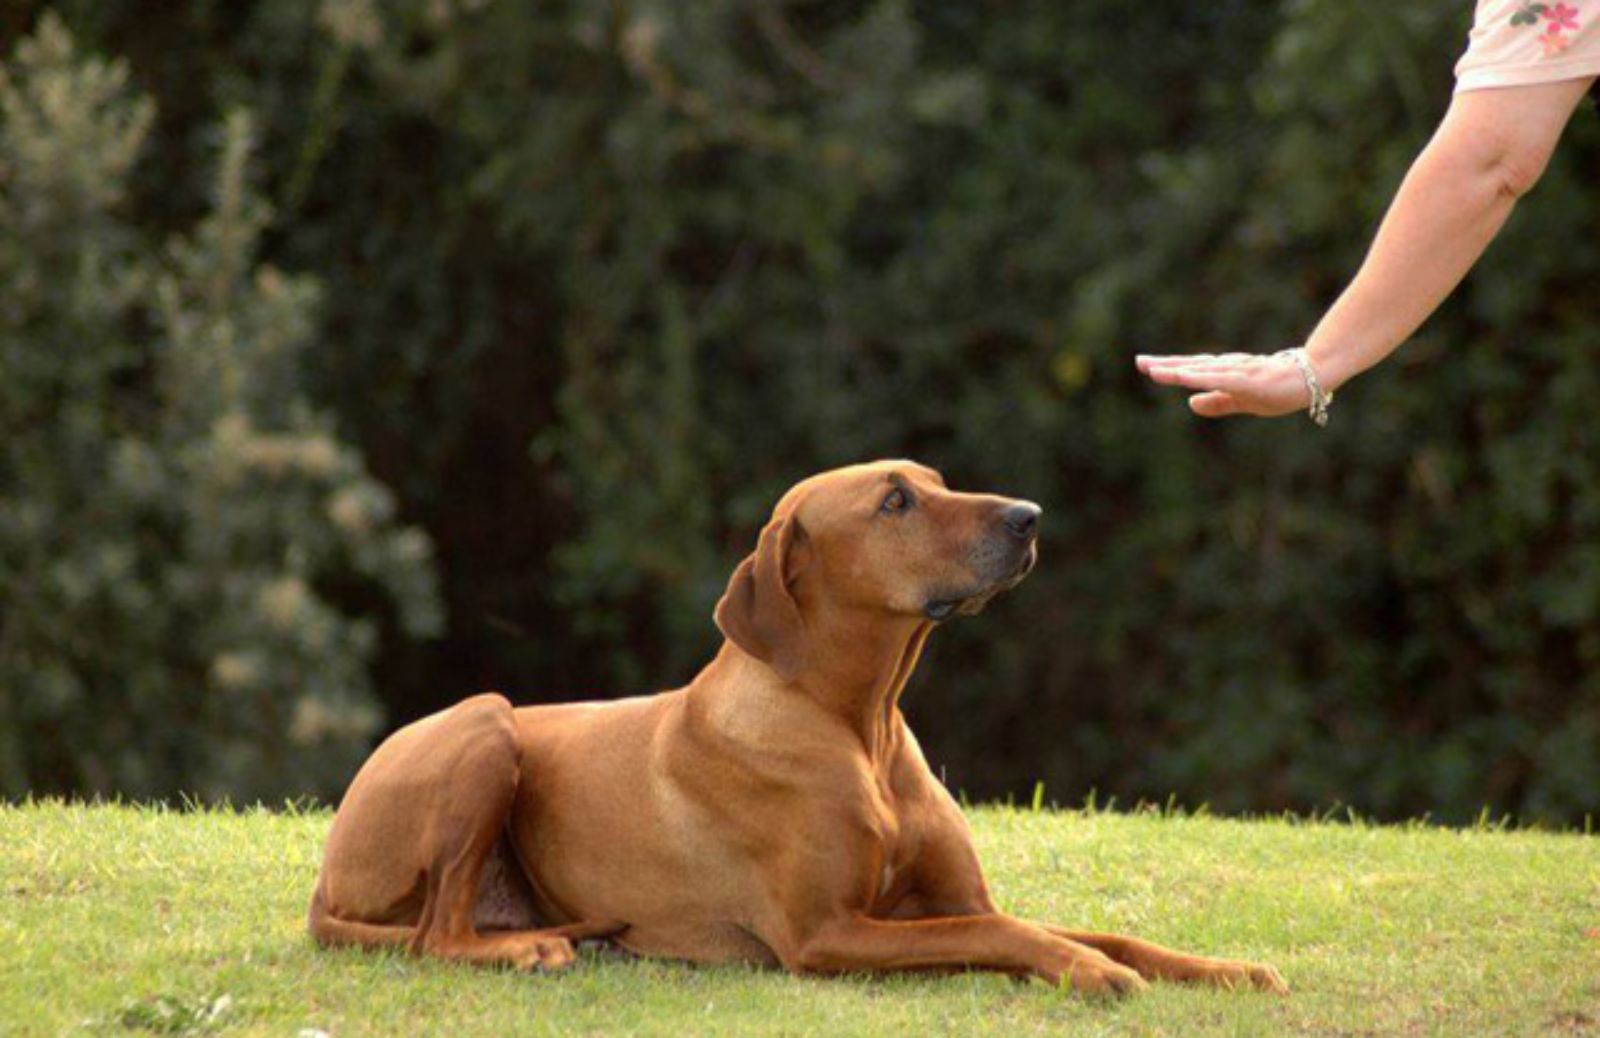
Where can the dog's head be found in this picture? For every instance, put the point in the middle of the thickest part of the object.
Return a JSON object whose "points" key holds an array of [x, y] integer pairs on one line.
{"points": [[885, 538]]}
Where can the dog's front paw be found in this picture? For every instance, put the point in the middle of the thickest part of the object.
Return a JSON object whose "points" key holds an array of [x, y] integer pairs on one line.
{"points": [[1235, 975], [1100, 976]]}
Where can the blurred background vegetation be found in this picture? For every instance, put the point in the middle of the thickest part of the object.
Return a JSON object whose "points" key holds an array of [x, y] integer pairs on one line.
{"points": [[361, 354]]}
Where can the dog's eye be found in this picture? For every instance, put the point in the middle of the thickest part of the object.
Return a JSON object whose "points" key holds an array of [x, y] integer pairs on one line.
{"points": [[897, 501]]}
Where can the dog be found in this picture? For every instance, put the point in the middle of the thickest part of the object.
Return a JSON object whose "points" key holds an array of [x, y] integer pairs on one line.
{"points": [[776, 810]]}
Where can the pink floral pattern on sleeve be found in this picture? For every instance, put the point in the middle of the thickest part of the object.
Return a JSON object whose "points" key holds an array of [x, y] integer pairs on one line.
{"points": [[1560, 20]]}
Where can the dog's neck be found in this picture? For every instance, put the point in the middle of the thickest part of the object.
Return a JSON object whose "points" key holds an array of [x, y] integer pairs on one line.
{"points": [[860, 662], [857, 664]]}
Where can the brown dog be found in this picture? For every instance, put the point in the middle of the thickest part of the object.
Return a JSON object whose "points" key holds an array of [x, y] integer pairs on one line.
{"points": [[777, 810]]}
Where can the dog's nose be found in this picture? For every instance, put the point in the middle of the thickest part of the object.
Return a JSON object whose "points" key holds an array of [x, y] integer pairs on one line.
{"points": [[1022, 520]]}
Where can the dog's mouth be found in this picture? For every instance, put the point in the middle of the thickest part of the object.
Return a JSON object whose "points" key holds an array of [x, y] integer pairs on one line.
{"points": [[943, 606]]}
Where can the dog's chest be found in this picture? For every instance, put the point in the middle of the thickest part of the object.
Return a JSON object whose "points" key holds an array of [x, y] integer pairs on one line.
{"points": [[900, 844]]}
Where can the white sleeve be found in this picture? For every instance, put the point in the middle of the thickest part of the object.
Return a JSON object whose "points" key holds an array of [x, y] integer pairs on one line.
{"points": [[1524, 42]]}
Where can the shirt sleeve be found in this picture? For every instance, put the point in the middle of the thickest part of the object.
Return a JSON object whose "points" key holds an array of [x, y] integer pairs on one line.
{"points": [[1526, 42]]}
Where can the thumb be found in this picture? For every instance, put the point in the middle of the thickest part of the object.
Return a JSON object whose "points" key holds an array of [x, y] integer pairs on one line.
{"points": [[1214, 405]]}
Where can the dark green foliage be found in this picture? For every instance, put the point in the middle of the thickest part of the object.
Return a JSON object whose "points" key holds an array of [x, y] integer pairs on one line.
{"points": [[602, 278], [174, 511]]}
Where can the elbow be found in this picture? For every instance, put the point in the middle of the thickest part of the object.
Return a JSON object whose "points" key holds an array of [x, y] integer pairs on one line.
{"points": [[1500, 141], [1515, 165]]}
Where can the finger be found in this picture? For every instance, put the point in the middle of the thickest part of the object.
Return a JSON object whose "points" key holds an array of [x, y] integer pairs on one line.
{"points": [[1232, 362], [1206, 369], [1179, 359], [1226, 381], [1214, 405], [1146, 361], [1168, 376], [1215, 369]]}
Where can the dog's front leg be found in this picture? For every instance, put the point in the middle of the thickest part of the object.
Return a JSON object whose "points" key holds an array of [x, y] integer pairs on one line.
{"points": [[1153, 962], [858, 943]]}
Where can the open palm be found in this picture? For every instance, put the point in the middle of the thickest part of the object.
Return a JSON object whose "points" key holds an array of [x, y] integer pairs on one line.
{"points": [[1266, 385]]}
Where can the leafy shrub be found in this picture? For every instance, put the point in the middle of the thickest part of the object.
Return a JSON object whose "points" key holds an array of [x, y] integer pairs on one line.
{"points": [[175, 510]]}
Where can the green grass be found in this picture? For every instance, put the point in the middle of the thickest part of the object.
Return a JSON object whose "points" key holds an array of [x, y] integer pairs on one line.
{"points": [[117, 919]]}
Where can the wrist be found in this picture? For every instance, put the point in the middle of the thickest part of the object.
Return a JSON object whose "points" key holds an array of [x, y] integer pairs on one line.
{"points": [[1319, 397], [1334, 366]]}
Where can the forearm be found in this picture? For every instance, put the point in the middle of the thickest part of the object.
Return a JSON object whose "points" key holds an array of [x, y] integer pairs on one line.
{"points": [[1491, 148], [1438, 225]]}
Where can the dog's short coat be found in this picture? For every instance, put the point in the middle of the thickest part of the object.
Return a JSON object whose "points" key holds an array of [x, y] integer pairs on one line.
{"points": [[776, 810]]}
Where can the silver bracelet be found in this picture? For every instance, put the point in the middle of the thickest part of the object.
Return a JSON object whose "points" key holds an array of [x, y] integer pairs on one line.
{"points": [[1320, 401]]}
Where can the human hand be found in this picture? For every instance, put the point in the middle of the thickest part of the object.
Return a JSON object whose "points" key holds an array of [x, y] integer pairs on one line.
{"points": [[1266, 385]]}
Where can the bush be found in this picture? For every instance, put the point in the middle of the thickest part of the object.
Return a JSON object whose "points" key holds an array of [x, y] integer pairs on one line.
{"points": [[177, 518]]}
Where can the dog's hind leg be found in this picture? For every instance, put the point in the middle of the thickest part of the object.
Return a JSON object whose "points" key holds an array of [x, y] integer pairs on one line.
{"points": [[409, 844], [332, 932]]}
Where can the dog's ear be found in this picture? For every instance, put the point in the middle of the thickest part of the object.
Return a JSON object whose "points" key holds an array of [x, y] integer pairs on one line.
{"points": [[758, 612]]}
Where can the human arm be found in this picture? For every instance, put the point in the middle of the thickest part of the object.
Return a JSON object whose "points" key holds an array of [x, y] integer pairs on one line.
{"points": [[1489, 151]]}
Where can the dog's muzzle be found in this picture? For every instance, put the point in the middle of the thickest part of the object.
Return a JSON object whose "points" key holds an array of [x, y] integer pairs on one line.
{"points": [[1002, 560]]}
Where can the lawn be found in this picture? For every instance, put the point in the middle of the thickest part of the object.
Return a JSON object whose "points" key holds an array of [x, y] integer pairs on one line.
{"points": [[118, 919]]}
